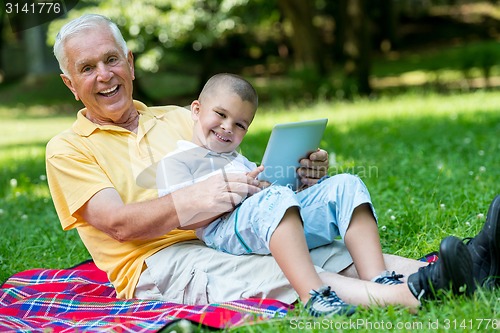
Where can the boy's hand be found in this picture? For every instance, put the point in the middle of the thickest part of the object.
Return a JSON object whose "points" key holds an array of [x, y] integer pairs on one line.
{"points": [[255, 173], [313, 168]]}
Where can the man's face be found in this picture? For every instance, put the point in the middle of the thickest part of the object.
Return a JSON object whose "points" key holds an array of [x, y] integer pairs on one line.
{"points": [[221, 121], [100, 75]]}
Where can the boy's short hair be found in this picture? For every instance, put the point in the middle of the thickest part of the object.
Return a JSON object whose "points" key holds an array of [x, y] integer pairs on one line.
{"points": [[234, 83]]}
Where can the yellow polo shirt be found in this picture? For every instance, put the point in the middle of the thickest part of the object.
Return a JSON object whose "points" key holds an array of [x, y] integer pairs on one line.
{"points": [[87, 158]]}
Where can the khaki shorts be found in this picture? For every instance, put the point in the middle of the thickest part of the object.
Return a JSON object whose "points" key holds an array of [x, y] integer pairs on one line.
{"points": [[191, 273]]}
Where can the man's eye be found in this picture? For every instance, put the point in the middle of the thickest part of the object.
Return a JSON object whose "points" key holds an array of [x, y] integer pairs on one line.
{"points": [[112, 60], [86, 69]]}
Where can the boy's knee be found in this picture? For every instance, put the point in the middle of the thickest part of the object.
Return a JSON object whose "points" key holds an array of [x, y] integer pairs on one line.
{"points": [[344, 180]]}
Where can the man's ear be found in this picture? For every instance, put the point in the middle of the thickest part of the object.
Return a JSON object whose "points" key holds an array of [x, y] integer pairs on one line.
{"points": [[195, 109], [69, 84], [130, 60]]}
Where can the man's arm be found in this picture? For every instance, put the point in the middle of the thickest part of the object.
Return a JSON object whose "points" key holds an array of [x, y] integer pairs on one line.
{"points": [[197, 204]]}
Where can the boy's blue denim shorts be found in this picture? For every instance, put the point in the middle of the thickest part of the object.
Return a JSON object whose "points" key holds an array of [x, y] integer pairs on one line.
{"points": [[325, 209]]}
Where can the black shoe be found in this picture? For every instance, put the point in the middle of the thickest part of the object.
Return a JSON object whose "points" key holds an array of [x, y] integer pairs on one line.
{"points": [[452, 271], [325, 303], [485, 249]]}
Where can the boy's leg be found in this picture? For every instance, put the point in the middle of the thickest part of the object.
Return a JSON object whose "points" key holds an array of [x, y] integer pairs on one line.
{"points": [[288, 246], [363, 242], [269, 222], [341, 206]]}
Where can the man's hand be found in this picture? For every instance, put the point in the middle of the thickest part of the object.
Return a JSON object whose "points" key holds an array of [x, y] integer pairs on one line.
{"points": [[313, 168], [203, 202]]}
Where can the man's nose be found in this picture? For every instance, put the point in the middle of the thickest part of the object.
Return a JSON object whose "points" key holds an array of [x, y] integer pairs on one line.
{"points": [[103, 72]]}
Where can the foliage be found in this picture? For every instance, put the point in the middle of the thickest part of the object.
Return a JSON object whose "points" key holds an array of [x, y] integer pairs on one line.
{"points": [[150, 27], [199, 38]]}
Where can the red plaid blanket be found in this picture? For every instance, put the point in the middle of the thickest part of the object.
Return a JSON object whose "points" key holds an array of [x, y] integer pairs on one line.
{"points": [[82, 299]]}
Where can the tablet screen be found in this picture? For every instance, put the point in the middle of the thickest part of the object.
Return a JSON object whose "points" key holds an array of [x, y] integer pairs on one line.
{"points": [[288, 144]]}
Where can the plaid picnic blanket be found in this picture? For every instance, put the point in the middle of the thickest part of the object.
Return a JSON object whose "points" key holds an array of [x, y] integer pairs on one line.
{"points": [[82, 299]]}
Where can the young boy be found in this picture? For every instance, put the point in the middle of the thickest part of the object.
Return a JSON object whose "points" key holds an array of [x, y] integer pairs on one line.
{"points": [[272, 221]]}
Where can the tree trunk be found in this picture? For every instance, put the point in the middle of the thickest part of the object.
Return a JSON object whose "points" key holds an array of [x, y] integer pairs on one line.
{"points": [[357, 47], [340, 17], [388, 24], [306, 40]]}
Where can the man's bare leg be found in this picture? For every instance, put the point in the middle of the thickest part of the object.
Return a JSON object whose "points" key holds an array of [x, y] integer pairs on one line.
{"points": [[398, 264], [367, 293]]}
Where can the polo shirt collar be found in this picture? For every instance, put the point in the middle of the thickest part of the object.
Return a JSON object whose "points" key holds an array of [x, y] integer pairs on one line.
{"points": [[84, 127]]}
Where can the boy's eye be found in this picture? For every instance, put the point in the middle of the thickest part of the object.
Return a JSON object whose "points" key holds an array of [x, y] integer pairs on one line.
{"points": [[241, 126], [220, 114]]}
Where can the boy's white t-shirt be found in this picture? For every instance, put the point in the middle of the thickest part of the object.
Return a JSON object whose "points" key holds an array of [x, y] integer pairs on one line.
{"points": [[190, 163]]}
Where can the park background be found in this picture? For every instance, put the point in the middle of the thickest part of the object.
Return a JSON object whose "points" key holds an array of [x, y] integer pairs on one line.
{"points": [[410, 88]]}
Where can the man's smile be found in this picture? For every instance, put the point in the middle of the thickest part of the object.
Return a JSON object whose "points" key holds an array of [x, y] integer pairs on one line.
{"points": [[109, 92]]}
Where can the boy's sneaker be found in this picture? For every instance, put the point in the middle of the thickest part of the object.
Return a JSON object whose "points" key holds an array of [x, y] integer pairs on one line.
{"points": [[325, 303], [388, 278], [452, 271], [485, 249]]}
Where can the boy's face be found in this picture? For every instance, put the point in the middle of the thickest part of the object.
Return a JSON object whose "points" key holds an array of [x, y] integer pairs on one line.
{"points": [[221, 121]]}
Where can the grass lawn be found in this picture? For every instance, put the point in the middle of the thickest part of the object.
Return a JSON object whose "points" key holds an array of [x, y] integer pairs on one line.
{"points": [[430, 162]]}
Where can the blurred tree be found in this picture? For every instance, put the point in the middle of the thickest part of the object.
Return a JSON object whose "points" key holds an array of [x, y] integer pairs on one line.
{"points": [[356, 48], [152, 26], [2, 45], [385, 15], [205, 27], [305, 37]]}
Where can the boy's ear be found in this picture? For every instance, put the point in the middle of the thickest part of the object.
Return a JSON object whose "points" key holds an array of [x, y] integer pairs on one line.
{"points": [[195, 109]]}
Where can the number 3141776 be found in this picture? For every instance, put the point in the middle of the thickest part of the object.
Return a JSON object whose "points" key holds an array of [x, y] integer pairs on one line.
{"points": [[33, 8]]}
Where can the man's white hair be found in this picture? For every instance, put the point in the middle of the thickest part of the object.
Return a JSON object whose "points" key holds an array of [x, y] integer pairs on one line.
{"points": [[77, 26]]}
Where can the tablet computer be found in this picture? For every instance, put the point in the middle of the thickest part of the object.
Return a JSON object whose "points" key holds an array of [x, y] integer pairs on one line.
{"points": [[288, 144]]}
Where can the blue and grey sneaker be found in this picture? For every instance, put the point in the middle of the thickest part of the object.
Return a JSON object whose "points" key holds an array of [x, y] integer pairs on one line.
{"points": [[388, 278], [324, 302]]}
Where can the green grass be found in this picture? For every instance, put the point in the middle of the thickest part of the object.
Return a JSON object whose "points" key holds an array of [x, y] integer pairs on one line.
{"points": [[430, 162]]}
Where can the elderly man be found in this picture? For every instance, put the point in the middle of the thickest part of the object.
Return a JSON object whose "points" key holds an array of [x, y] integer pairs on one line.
{"points": [[101, 177]]}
